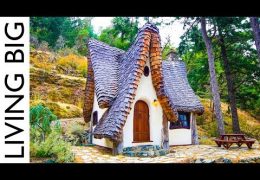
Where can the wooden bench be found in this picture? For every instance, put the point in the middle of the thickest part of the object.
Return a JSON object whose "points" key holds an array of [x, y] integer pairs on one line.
{"points": [[228, 139]]}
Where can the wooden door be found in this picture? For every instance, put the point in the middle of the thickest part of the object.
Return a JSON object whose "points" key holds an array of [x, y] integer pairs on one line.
{"points": [[141, 122]]}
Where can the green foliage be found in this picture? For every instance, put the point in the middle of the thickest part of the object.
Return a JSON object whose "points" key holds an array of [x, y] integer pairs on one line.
{"points": [[41, 118], [122, 33], [45, 137], [192, 50], [47, 28], [60, 32], [53, 147], [206, 141], [166, 50], [61, 110], [76, 134], [241, 55]]}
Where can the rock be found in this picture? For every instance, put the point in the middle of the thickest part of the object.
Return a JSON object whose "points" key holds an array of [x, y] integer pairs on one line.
{"points": [[157, 147], [50, 161], [157, 153], [142, 154], [258, 160], [126, 149], [144, 151], [198, 161], [129, 153], [162, 152], [208, 161], [152, 154], [172, 151], [225, 160]]}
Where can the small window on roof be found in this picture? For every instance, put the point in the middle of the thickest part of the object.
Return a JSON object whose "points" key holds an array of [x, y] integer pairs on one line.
{"points": [[95, 118], [146, 71]]}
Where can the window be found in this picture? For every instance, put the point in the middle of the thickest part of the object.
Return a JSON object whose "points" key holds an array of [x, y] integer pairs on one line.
{"points": [[95, 118], [146, 71], [183, 121]]}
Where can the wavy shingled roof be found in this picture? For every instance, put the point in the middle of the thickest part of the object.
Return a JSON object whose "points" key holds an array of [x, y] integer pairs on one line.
{"points": [[115, 75]]}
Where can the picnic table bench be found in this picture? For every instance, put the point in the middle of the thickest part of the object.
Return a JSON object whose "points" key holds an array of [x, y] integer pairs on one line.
{"points": [[228, 139]]}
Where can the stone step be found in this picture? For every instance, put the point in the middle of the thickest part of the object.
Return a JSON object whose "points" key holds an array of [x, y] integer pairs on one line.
{"points": [[156, 153], [142, 148], [145, 151]]}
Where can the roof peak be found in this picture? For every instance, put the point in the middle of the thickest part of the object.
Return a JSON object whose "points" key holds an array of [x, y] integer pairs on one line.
{"points": [[97, 42], [149, 26]]}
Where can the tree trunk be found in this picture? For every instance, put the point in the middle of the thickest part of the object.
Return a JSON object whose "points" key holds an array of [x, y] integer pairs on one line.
{"points": [[256, 31], [194, 131], [230, 86], [213, 80], [90, 135], [118, 146], [165, 133]]}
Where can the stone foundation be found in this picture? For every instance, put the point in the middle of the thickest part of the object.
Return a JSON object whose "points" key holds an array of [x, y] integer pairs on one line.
{"points": [[144, 151]]}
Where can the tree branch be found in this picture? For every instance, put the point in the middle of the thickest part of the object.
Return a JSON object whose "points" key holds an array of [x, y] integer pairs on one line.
{"points": [[193, 24], [241, 82], [167, 43]]}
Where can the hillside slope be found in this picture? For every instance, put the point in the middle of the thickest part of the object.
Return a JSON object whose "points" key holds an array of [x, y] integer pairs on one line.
{"points": [[58, 82], [208, 128]]}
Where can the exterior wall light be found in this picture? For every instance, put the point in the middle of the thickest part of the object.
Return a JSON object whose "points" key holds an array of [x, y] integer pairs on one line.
{"points": [[155, 102]]}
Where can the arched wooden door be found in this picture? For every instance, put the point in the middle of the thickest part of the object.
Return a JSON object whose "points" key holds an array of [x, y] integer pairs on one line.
{"points": [[141, 122]]}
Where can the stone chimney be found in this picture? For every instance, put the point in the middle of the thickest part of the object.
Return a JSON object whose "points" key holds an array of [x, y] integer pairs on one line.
{"points": [[173, 56]]}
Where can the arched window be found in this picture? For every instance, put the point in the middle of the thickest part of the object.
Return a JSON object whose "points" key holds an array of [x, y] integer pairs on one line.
{"points": [[95, 118], [146, 71]]}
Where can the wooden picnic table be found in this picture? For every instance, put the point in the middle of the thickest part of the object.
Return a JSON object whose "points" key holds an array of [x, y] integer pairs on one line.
{"points": [[228, 139], [232, 136]]}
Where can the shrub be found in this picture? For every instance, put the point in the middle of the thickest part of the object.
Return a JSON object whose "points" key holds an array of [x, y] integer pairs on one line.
{"points": [[66, 51], [72, 64], [41, 118], [55, 107], [53, 147], [44, 46], [60, 43], [54, 95], [46, 138], [42, 60], [206, 141], [76, 134], [34, 42]]}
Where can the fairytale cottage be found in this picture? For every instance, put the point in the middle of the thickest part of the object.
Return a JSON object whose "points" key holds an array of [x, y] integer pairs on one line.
{"points": [[134, 98]]}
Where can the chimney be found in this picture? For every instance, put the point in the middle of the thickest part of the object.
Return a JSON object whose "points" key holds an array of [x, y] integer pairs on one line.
{"points": [[173, 56]]}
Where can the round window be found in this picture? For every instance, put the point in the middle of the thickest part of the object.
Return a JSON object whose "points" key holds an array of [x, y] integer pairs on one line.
{"points": [[146, 71]]}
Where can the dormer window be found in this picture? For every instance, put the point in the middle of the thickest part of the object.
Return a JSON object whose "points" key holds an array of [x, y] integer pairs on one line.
{"points": [[146, 71]]}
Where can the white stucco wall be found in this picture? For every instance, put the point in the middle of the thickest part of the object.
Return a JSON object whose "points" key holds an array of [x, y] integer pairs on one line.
{"points": [[145, 92], [180, 136], [104, 141]]}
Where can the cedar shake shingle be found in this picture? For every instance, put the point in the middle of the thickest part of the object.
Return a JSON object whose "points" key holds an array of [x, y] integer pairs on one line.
{"points": [[118, 73]]}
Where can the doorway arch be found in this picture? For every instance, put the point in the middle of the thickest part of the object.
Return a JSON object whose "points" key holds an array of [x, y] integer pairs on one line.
{"points": [[141, 128]]}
